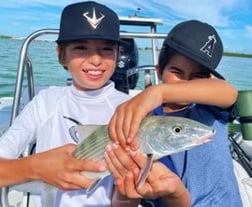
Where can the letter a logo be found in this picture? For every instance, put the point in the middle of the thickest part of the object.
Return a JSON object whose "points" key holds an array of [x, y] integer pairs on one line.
{"points": [[208, 47]]}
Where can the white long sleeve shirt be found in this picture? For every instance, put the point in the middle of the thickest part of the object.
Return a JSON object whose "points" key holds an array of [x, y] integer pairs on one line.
{"points": [[42, 121]]}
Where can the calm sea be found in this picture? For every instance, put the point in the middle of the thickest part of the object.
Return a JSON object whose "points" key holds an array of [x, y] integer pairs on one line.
{"points": [[48, 71]]}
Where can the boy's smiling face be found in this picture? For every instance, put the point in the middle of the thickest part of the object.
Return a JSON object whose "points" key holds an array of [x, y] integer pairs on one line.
{"points": [[90, 62]]}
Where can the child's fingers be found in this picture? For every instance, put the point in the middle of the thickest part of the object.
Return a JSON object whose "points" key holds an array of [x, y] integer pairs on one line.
{"points": [[113, 162]]}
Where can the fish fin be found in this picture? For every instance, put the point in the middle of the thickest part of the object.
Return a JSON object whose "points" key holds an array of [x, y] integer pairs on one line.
{"points": [[82, 131], [93, 186], [73, 134], [144, 171], [247, 181]]}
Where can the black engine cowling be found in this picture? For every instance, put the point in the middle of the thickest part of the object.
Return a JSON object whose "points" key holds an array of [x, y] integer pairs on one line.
{"points": [[128, 58]]}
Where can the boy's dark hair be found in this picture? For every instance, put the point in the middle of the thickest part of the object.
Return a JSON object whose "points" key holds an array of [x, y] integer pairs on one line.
{"points": [[165, 55]]}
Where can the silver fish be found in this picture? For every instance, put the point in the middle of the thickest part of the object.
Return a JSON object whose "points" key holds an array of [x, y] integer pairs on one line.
{"points": [[159, 136]]}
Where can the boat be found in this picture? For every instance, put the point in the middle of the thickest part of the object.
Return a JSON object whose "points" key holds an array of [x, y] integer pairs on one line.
{"points": [[127, 74]]}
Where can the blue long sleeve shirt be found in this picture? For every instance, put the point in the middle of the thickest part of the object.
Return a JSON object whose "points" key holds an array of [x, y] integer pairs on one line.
{"points": [[206, 170]]}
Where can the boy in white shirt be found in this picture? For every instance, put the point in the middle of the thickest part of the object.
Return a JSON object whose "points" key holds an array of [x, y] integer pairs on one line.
{"points": [[88, 45]]}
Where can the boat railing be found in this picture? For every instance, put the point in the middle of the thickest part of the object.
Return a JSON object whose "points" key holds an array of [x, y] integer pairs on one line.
{"points": [[25, 64]]}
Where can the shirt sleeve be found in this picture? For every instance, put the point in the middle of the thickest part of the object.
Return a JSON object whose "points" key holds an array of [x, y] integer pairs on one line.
{"points": [[22, 132]]}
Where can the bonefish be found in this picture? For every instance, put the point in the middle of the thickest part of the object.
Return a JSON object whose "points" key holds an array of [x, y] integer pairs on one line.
{"points": [[159, 136]]}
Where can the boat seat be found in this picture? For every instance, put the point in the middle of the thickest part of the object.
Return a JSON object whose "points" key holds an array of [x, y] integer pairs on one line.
{"points": [[244, 183], [244, 113], [240, 136], [241, 119]]}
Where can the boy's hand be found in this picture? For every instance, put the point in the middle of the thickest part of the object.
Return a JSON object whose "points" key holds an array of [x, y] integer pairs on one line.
{"points": [[127, 118], [125, 168], [57, 167]]}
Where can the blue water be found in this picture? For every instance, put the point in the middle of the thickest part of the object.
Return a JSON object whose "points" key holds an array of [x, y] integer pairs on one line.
{"points": [[47, 70]]}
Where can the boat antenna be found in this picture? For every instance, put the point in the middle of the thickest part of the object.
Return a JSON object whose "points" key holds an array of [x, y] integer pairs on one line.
{"points": [[136, 14]]}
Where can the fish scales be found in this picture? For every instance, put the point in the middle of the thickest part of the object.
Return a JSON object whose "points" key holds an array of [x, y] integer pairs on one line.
{"points": [[93, 147], [158, 135]]}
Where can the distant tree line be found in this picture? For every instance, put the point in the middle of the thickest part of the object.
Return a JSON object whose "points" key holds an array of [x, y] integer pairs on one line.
{"points": [[237, 54], [149, 48], [233, 54], [5, 37]]}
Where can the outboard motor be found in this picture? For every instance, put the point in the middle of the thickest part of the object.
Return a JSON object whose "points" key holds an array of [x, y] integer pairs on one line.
{"points": [[128, 58]]}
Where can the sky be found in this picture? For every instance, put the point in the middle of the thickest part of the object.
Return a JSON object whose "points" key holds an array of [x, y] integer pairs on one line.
{"points": [[231, 18]]}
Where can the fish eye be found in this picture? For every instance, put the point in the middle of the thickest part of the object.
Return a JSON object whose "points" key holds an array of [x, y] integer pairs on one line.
{"points": [[177, 129]]}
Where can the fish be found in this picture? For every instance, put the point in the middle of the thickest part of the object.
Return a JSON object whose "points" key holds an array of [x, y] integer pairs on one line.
{"points": [[158, 136]]}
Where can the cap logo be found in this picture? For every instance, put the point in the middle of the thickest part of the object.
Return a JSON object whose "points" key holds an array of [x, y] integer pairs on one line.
{"points": [[93, 21], [208, 47]]}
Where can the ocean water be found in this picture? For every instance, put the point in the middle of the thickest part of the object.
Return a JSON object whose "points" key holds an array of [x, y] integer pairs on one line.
{"points": [[47, 70]]}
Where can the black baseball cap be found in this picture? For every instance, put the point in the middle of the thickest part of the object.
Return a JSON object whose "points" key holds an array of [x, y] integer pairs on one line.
{"points": [[199, 41], [88, 20]]}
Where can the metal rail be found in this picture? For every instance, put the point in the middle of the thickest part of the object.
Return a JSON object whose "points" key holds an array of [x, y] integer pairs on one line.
{"points": [[25, 65], [24, 61]]}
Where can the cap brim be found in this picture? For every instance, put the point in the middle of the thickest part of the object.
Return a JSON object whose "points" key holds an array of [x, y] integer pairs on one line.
{"points": [[216, 74], [192, 55], [90, 38]]}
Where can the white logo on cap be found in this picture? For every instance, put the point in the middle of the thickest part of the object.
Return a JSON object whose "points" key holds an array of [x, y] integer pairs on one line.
{"points": [[93, 21], [208, 47]]}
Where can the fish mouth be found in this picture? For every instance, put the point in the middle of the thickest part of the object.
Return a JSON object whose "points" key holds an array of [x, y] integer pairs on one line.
{"points": [[208, 138]]}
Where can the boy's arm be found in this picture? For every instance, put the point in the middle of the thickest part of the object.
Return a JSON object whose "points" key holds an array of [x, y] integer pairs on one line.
{"points": [[161, 182], [56, 167], [182, 199], [204, 91], [128, 116]]}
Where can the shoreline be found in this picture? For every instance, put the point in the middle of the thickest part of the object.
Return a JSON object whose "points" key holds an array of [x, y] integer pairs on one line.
{"points": [[233, 54]]}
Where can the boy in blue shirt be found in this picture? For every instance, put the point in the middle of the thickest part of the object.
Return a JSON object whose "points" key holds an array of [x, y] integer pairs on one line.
{"points": [[191, 88]]}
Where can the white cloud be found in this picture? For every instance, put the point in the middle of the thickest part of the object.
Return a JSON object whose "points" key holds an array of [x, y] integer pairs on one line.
{"points": [[214, 12], [248, 30], [230, 17]]}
